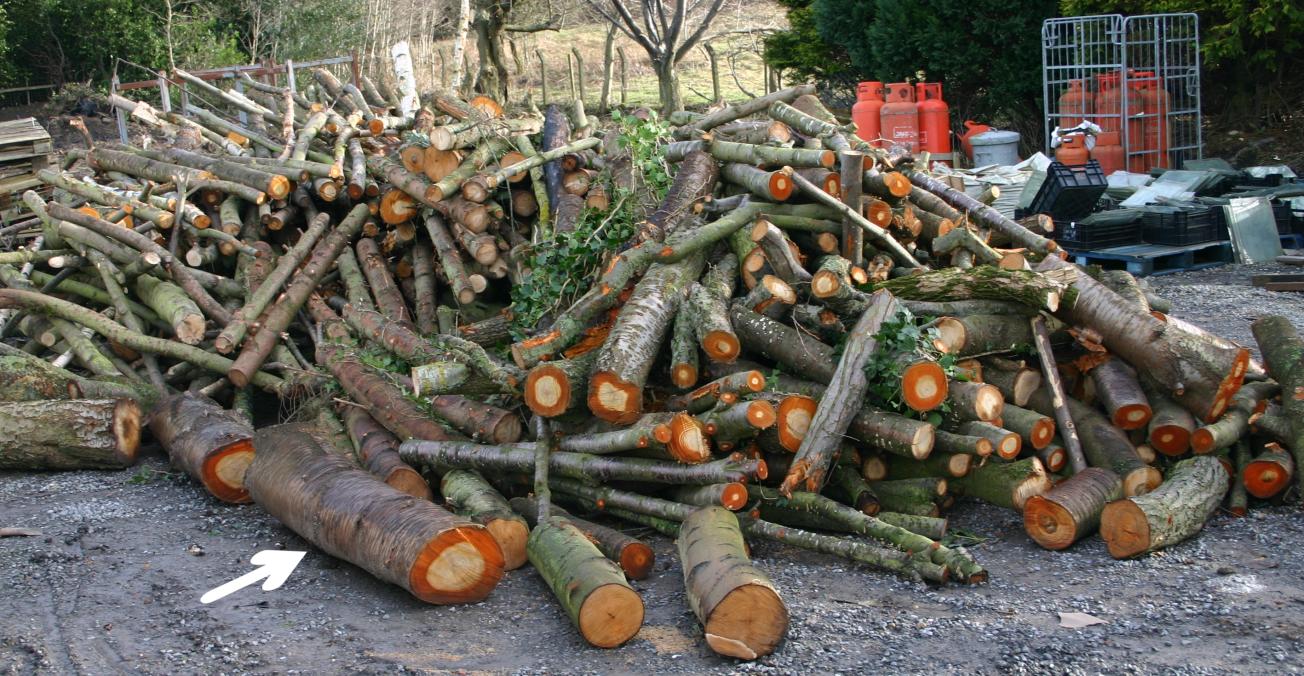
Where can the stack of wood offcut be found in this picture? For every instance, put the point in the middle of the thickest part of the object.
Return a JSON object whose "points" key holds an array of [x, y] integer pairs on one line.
{"points": [[808, 340]]}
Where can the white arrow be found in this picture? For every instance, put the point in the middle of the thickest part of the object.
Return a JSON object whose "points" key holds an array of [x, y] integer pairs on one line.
{"points": [[275, 565]]}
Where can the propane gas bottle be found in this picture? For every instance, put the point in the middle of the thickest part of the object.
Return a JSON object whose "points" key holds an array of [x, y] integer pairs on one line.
{"points": [[899, 117], [934, 120], [865, 112]]}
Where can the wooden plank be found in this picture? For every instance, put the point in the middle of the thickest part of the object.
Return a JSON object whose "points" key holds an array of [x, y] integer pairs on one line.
{"points": [[1261, 280], [1284, 286]]}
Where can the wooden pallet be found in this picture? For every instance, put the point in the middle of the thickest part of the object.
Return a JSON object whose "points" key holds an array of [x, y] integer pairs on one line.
{"points": [[1157, 259], [23, 138]]}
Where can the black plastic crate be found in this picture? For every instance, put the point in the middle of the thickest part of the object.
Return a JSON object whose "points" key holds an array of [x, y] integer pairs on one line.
{"points": [[1069, 193], [1177, 226], [1093, 236]]}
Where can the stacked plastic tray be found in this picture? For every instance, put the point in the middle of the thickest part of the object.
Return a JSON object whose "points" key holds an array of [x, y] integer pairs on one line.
{"points": [[1070, 192], [1179, 226]]}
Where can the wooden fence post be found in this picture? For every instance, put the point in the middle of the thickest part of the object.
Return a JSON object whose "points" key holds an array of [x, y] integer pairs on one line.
{"points": [[579, 71], [543, 75], [623, 89]]}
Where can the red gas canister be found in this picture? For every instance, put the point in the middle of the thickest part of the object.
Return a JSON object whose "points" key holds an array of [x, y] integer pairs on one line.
{"points": [[971, 129], [1108, 106], [1075, 105], [934, 120], [1135, 139], [899, 117], [1109, 152], [1072, 150], [865, 112], [1154, 127]]}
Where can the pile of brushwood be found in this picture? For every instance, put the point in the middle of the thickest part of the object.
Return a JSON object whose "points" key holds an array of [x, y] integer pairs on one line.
{"points": [[410, 335]]}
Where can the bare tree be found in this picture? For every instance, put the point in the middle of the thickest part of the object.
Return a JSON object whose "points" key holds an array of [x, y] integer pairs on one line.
{"points": [[663, 30], [459, 43], [492, 18]]}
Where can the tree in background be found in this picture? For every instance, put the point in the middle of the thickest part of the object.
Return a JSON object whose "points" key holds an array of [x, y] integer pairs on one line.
{"points": [[800, 51], [667, 34]]}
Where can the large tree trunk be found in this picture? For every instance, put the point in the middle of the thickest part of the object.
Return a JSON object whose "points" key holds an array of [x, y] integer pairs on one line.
{"points": [[494, 76], [668, 85], [1202, 374], [1172, 513], [211, 444], [1071, 510], [403, 540], [70, 434], [736, 603]]}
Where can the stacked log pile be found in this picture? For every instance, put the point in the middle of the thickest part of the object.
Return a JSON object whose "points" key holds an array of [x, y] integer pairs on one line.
{"points": [[805, 339]]}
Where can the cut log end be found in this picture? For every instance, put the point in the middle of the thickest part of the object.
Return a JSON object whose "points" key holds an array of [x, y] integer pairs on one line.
{"points": [[1009, 446], [794, 417], [1054, 458], [733, 497], [1266, 477], [721, 346], [459, 565], [951, 335], [223, 472], [1048, 523], [989, 403], [684, 376], [780, 186], [748, 623], [1229, 386], [824, 284], [611, 615], [897, 184], [1141, 480], [407, 480], [1171, 440], [126, 431], [278, 187], [190, 330], [761, 414], [511, 536], [1124, 528], [923, 385], [1042, 433], [613, 400], [547, 391], [636, 559], [687, 441], [1132, 416]]}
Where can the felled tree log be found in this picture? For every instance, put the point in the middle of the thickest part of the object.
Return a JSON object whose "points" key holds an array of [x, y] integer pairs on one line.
{"points": [[936, 464], [403, 540], [1071, 510], [683, 352], [1235, 422], [580, 466], [70, 434], [1269, 473], [1004, 443], [626, 358], [173, 306], [724, 390], [277, 318], [881, 237], [748, 154], [634, 556], [738, 111], [966, 444], [1005, 484], [834, 414], [592, 589], [556, 133], [796, 352], [1016, 383], [982, 214], [389, 300], [1120, 394], [911, 496], [377, 450], [1104, 445], [977, 334], [1036, 429], [731, 496], [985, 282], [739, 421], [211, 444], [386, 402], [847, 485], [736, 603], [1168, 515], [477, 419], [1202, 374], [708, 305], [771, 297], [472, 497], [695, 180], [975, 401], [1170, 427], [556, 387], [679, 435]]}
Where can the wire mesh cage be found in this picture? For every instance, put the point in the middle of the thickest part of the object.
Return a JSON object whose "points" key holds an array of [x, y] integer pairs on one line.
{"points": [[1137, 77]]}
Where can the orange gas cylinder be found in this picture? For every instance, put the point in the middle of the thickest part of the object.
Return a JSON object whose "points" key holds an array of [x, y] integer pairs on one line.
{"points": [[1072, 150], [971, 129], [1075, 105], [1154, 128], [1108, 106], [900, 117], [865, 112], [1109, 152], [934, 121]]}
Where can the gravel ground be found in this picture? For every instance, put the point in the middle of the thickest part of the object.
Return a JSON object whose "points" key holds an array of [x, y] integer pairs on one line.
{"points": [[113, 584]]}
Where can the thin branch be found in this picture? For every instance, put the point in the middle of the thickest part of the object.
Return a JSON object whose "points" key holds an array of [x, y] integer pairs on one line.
{"points": [[701, 30]]}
